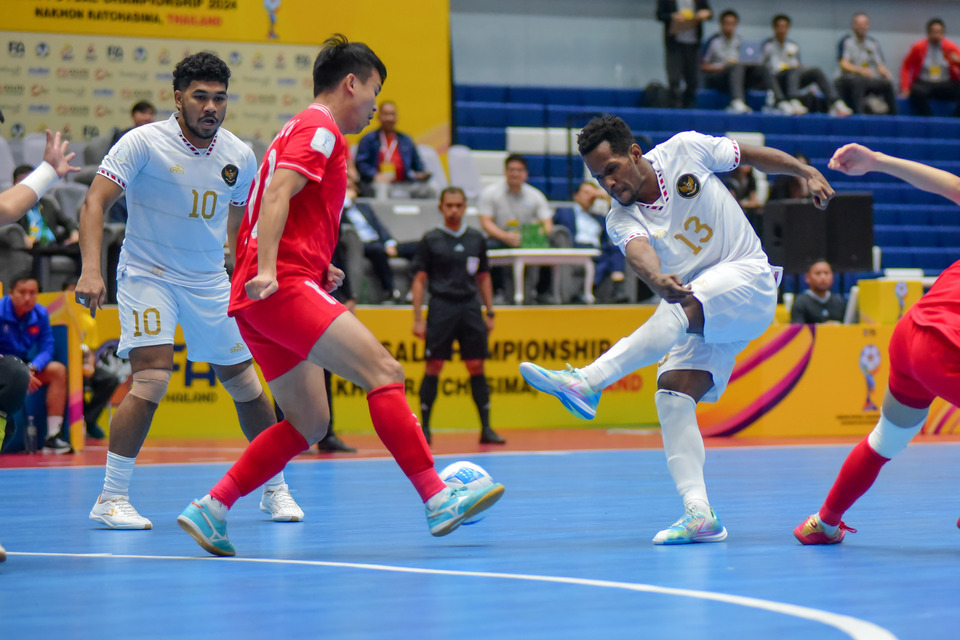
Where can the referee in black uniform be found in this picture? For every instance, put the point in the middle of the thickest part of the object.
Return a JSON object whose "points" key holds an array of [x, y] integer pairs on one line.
{"points": [[453, 258]]}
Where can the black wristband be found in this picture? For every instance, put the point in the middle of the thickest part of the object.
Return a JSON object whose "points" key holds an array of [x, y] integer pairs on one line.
{"points": [[490, 314]]}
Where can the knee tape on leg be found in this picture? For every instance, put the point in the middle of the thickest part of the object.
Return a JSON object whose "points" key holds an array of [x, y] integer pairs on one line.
{"points": [[150, 384], [244, 386], [887, 439]]}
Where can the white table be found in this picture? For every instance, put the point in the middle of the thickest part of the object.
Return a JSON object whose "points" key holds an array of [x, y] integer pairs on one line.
{"points": [[520, 258]]}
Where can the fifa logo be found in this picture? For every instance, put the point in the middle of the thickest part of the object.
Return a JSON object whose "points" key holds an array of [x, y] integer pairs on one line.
{"points": [[870, 360], [900, 291]]}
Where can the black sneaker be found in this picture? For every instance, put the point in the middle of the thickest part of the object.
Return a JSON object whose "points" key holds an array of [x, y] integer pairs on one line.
{"points": [[489, 436], [56, 444], [332, 443]]}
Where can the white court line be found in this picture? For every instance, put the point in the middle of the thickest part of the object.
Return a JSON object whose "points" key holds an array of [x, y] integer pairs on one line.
{"points": [[853, 627]]}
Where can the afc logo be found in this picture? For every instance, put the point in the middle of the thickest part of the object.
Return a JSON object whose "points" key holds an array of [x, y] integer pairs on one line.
{"points": [[16, 49], [115, 53]]}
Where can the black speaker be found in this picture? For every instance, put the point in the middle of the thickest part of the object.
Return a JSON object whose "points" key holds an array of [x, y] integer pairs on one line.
{"points": [[850, 232], [793, 234]]}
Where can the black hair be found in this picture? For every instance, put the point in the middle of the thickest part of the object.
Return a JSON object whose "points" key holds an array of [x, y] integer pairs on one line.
{"points": [[203, 67], [817, 261], [452, 189], [23, 276], [611, 129], [338, 58], [729, 12], [780, 16], [515, 157], [21, 170], [143, 105], [933, 21]]}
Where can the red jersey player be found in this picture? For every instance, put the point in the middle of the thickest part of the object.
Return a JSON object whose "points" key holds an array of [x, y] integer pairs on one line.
{"points": [[294, 328], [924, 358]]}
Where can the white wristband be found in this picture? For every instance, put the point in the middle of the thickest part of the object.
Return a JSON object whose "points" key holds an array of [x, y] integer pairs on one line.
{"points": [[41, 179]]}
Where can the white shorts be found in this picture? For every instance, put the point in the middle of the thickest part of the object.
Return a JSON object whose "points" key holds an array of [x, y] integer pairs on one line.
{"points": [[151, 309], [739, 300]]}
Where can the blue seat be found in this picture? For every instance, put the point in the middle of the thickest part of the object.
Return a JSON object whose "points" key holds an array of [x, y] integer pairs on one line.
{"points": [[480, 93], [486, 138]]}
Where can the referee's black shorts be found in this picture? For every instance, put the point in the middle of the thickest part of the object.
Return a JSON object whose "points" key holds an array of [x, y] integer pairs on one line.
{"points": [[461, 321]]}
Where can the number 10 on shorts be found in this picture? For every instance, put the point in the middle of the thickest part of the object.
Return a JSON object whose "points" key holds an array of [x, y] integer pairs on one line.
{"points": [[150, 325]]}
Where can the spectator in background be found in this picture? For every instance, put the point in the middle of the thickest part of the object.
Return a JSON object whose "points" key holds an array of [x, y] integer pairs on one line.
{"points": [[45, 223], [585, 221], [931, 70], [722, 68], [817, 304], [743, 186], [505, 208], [388, 156], [782, 58], [141, 113], [25, 332], [682, 34], [378, 245], [863, 74], [786, 187]]}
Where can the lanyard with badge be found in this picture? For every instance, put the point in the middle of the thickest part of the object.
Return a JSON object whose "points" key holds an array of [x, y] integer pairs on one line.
{"points": [[386, 156]]}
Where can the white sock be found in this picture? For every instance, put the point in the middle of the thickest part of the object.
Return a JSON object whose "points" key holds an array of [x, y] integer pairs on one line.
{"points": [[217, 508], [54, 425], [645, 346], [116, 482], [437, 499], [829, 529], [273, 483], [683, 446]]}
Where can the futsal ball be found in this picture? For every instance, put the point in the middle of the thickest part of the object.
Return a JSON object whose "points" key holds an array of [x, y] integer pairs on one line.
{"points": [[466, 474]]}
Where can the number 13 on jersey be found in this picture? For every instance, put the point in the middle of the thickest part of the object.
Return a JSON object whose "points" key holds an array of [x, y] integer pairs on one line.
{"points": [[699, 234]]}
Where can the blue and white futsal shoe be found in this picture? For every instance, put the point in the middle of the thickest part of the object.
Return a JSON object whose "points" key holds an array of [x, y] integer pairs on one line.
{"points": [[694, 526], [569, 386], [209, 531], [462, 503]]}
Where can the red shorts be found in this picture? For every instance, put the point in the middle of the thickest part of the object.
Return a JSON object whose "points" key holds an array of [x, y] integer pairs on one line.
{"points": [[281, 330], [924, 364]]}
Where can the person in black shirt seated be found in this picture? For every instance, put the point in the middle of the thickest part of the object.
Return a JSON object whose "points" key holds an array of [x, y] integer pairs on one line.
{"points": [[453, 258], [817, 304]]}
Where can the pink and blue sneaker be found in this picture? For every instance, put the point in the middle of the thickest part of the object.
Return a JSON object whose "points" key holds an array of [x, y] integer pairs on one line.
{"points": [[569, 386], [694, 526]]}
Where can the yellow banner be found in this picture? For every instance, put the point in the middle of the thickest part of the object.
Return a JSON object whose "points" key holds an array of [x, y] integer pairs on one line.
{"points": [[80, 65]]}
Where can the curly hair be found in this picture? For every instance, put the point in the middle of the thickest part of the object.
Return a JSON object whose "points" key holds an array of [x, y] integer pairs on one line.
{"points": [[606, 128], [203, 66], [338, 58]]}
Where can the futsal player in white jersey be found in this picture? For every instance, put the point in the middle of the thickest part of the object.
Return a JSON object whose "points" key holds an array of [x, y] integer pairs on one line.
{"points": [[186, 181], [687, 238]]}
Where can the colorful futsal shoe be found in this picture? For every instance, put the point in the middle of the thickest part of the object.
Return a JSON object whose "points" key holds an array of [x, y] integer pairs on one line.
{"points": [[693, 527], [209, 531], [811, 532], [280, 504], [461, 503], [118, 513], [569, 386]]}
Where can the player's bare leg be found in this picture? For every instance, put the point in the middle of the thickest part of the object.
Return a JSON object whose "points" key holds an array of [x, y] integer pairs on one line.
{"points": [[128, 430]]}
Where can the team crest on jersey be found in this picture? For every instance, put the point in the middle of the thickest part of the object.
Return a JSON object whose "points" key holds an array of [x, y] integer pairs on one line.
{"points": [[688, 186], [229, 174]]}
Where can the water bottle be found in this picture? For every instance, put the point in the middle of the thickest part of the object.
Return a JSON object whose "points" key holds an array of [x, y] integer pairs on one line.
{"points": [[30, 436]]}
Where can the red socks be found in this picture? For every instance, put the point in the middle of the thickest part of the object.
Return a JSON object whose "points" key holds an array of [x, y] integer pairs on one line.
{"points": [[264, 457], [857, 474], [399, 429]]}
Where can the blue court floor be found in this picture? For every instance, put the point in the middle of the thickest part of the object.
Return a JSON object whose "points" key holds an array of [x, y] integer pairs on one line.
{"points": [[565, 554]]}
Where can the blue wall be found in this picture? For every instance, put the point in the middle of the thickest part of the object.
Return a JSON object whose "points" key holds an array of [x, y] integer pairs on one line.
{"points": [[618, 43]]}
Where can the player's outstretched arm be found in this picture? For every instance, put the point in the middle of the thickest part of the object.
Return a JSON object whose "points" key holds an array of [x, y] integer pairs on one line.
{"points": [[644, 261], [856, 160], [17, 200], [101, 195], [770, 160]]}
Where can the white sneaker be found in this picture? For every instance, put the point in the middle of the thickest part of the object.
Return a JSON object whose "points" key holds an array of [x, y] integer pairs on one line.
{"points": [[738, 106], [280, 505], [118, 513], [840, 108], [798, 108], [785, 108]]}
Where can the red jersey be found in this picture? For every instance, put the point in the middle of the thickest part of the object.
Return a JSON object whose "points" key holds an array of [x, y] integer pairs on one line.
{"points": [[310, 144], [939, 308]]}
